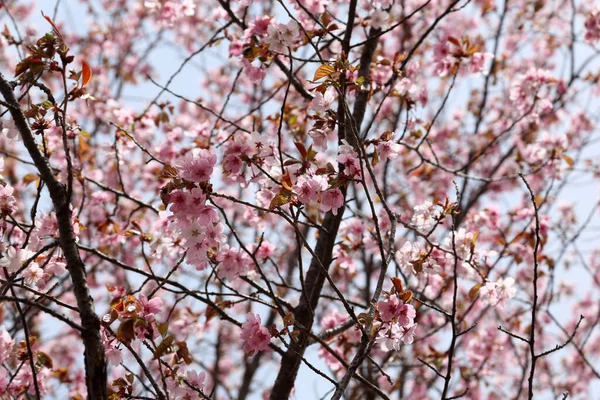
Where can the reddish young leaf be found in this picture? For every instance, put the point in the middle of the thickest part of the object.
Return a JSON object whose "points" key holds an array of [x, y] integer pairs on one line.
{"points": [[86, 73]]}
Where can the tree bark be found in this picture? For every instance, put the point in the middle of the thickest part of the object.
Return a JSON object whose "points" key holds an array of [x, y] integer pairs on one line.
{"points": [[95, 365], [316, 275]]}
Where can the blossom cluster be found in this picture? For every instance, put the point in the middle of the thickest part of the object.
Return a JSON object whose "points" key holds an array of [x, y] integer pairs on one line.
{"points": [[398, 323], [497, 293], [289, 164], [592, 26], [255, 336]]}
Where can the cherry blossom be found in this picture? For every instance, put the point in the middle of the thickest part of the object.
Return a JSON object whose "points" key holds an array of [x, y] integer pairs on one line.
{"points": [[423, 215], [332, 200], [14, 258], [323, 101], [379, 19], [280, 37], [497, 293], [592, 26], [197, 165], [255, 337], [6, 344], [393, 197]]}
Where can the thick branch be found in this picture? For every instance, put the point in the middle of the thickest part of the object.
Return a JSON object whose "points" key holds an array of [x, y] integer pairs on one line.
{"points": [[95, 366], [317, 272]]}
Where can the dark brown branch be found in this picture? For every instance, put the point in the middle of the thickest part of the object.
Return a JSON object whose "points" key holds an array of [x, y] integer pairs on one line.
{"points": [[534, 306], [95, 365], [317, 271]]}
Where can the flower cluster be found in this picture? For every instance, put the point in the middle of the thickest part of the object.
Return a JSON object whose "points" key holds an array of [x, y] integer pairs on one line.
{"points": [[233, 263], [527, 89], [8, 203], [197, 165], [280, 37], [423, 216], [412, 257], [323, 101], [16, 258], [195, 219], [315, 189], [497, 293], [295, 157], [398, 326], [592, 26], [188, 386], [255, 336], [348, 158], [168, 12]]}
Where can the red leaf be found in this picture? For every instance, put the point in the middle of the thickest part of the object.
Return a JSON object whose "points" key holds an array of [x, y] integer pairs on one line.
{"points": [[301, 149], [52, 23], [86, 73], [397, 284]]}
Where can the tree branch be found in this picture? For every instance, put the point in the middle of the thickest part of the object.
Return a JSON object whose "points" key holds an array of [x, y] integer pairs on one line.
{"points": [[95, 366]]}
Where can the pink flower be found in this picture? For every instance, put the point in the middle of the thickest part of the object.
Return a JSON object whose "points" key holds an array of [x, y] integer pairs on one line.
{"points": [[151, 307], [408, 336], [497, 293], [188, 7], [464, 242], [236, 48], [214, 234], [255, 337], [349, 159], [232, 163], [197, 165], [323, 102], [320, 138], [406, 315], [3, 381], [232, 263], [406, 88], [266, 250], [8, 128], [393, 310], [177, 387], [309, 188], [14, 258], [390, 337], [379, 19], [388, 308], [114, 356], [290, 32], [6, 345], [592, 26], [24, 379], [478, 61], [281, 36], [388, 149], [32, 274], [332, 199], [408, 253], [7, 200], [423, 215], [258, 27], [196, 379], [254, 74]]}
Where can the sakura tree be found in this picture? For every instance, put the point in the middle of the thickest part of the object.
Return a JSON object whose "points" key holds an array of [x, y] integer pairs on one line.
{"points": [[246, 199]]}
